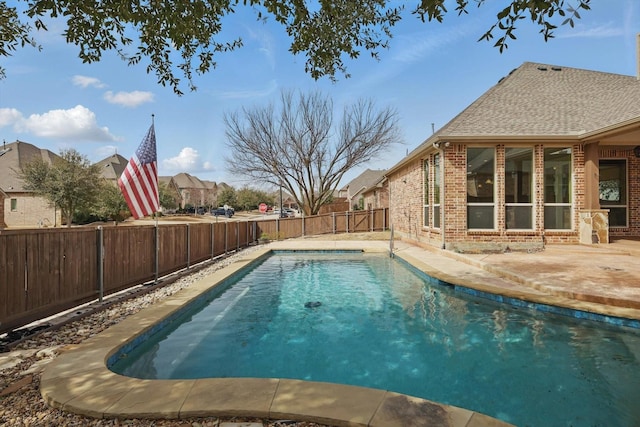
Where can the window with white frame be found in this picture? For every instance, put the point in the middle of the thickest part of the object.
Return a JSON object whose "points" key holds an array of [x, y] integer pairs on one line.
{"points": [[557, 188], [613, 190], [14, 205], [518, 188], [480, 188], [425, 195]]}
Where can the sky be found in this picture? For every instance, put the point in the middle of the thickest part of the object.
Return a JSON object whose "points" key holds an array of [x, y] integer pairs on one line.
{"points": [[430, 73]]}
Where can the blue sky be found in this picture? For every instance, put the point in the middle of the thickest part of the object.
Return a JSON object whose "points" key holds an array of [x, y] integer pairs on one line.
{"points": [[431, 72]]}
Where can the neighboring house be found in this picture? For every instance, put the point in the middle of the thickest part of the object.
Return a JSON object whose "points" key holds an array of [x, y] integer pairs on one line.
{"points": [[112, 167], [20, 207], [195, 192], [172, 189], [549, 154], [377, 196], [354, 190]]}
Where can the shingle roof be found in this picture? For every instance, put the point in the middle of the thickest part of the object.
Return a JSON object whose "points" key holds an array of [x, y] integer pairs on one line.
{"points": [[14, 157], [546, 100], [112, 167], [184, 180], [539, 100], [363, 181]]}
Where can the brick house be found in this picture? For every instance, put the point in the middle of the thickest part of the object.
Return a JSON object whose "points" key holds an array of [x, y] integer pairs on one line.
{"points": [[196, 192], [20, 207], [377, 196], [354, 191], [549, 154]]}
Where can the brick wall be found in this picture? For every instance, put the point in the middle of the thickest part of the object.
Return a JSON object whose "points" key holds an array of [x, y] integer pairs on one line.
{"points": [[406, 205], [31, 212]]}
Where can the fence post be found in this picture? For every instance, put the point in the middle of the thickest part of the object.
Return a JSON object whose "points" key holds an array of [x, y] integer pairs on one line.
{"points": [[237, 228], [100, 263], [255, 231], [384, 218], [226, 237], [303, 231], [212, 236], [188, 245], [372, 219], [347, 222], [157, 252], [333, 217]]}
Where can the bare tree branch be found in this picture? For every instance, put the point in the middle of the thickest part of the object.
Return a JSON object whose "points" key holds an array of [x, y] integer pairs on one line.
{"points": [[297, 146]]}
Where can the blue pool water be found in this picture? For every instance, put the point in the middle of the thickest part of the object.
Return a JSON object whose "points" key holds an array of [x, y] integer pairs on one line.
{"points": [[375, 322]]}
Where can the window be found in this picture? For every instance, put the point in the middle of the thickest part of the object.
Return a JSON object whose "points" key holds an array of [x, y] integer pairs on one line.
{"points": [[14, 205], [557, 188], [518, 182], [437, 180], [613, 190], [480, 188], [425, 219]]}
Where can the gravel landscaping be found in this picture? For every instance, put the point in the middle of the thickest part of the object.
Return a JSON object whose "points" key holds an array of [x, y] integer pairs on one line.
{"points": [[21, 366]]}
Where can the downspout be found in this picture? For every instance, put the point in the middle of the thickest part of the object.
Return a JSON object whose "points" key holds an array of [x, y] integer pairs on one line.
{"points": [[440, 146]]}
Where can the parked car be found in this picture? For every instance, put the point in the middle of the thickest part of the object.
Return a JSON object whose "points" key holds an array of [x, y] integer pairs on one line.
{"points": [[222, 211]]}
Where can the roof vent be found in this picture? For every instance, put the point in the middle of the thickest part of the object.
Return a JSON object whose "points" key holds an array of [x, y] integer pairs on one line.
{"points": [[556, 68], [541, 68]]}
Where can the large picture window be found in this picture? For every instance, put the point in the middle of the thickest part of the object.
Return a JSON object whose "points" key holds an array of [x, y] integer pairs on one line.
{"points": [[613, 190], [557, 188], [425, 196], [480, 188], [518, 183], [437, 180]]}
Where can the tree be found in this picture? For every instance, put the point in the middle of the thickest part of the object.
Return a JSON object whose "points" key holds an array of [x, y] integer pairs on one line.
{"points": [[110, 203], [249, 199], [228, 197], [167, 200], [71, 183], [324, 32], [297, 146]]}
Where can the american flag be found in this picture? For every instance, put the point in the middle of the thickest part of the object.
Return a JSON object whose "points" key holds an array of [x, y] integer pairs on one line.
{"points": [[139, 181]]}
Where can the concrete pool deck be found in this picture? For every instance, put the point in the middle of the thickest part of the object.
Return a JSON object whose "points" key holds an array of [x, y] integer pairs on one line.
{"points": [[600, 280]]}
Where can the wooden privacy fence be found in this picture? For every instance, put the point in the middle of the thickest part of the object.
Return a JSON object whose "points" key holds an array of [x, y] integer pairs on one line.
{"points": [[46, 271]]}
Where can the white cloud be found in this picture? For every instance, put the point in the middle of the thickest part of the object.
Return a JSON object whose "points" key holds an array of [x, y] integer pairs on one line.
{"points": [[129, 99], [188, 160], [244, 94], [75, 124], [84, 82], [601, 31], [9, 116], [265, 41]]}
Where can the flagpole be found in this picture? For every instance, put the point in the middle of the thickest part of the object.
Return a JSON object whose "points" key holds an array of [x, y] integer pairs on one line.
{"points": [[155, 214]]}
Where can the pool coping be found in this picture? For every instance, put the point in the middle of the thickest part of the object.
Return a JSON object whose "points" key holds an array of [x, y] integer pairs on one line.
{"points": [[79, 381]]}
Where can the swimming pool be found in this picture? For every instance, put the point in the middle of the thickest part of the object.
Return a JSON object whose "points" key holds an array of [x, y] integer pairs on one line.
{"points": [[415, 336]]}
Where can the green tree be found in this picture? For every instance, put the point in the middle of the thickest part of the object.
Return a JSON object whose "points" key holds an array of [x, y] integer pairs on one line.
{"points": [[324, 32], [248, 199], [228, 196], [71, 183], [110, 204], [167, 200], [297, 146]]}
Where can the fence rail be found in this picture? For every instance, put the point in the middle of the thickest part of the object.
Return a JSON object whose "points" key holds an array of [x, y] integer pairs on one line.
{"points": [[46, 271]]}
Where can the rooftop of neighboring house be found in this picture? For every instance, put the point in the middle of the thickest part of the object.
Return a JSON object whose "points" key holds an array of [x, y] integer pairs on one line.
{"points": [[184, 180], [13, 157], [112, 167], [365, 180]]}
